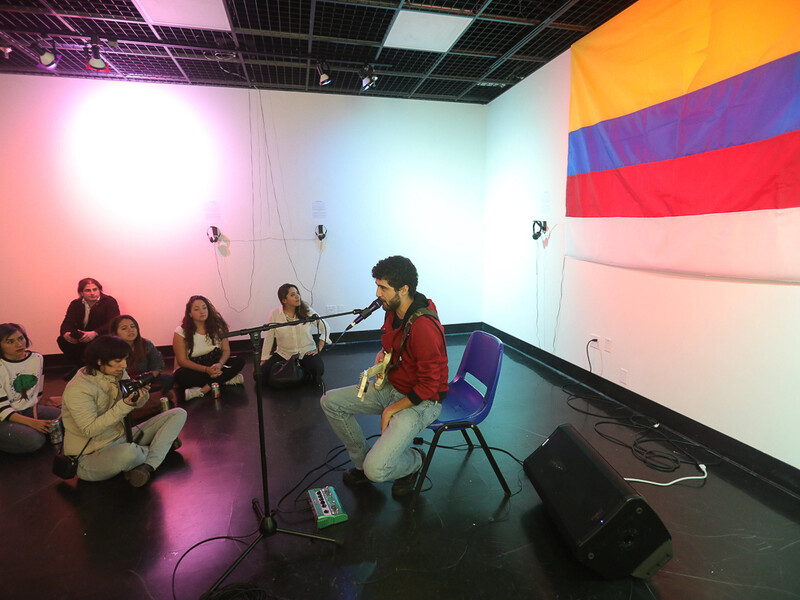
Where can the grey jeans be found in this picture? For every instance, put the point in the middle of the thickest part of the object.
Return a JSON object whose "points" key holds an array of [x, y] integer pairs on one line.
{"points": [[153, 438], [390, 456]]}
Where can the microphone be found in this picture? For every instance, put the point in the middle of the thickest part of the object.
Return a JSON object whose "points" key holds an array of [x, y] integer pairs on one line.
{"points": [[363, 314]]}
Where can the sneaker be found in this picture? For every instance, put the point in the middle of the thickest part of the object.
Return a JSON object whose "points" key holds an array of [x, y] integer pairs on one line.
{"points": [[237, 380], [192, 393], [354, 477], [139, 476], [405, 485]]}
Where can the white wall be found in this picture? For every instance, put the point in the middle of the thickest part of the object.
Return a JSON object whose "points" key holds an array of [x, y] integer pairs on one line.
{"points": [[723, 353], [119, 181]]}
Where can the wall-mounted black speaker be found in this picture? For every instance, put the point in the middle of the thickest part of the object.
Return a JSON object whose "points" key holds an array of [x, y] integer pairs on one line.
{"points": [[606, 524]]}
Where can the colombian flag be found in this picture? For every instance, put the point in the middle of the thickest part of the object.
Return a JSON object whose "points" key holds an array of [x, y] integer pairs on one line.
{"points": [[684, 144]]}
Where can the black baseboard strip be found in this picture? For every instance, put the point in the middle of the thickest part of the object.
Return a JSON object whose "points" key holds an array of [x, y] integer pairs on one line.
{"points": [[759, 463]]}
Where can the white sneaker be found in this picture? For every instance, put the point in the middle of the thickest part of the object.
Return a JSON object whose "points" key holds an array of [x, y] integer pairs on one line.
{"points": [[237, 380], [192, 393]]}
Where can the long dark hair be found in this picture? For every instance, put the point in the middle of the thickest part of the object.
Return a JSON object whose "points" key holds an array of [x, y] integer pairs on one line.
{"points": [[139, 348], [304, 310], [215, 324]]}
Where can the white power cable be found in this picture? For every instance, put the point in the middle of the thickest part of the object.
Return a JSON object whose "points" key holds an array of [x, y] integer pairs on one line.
{"points": [[701, 477]]}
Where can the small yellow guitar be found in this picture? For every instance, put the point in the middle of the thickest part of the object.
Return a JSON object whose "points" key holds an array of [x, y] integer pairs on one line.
{"points": [[378, 370]]}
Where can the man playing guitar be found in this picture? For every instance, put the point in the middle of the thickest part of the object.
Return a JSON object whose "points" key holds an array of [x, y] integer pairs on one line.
{"points": [[415, 385]]}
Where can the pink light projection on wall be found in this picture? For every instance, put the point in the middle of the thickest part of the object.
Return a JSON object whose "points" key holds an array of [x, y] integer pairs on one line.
{"points": [[138, 151]]}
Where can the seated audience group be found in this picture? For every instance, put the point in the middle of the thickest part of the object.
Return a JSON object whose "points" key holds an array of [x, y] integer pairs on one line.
{"points": [[104, 347]]}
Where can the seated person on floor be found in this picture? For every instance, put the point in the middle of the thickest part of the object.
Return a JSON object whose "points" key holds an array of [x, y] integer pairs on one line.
{"points": [[88, 316], [293, 339], [203, 356], [145, 357], [24, 424], [93, 410]]}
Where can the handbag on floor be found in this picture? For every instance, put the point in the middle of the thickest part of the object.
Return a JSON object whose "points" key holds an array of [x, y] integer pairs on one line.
{"points": [[65, 466], [287, 373]]}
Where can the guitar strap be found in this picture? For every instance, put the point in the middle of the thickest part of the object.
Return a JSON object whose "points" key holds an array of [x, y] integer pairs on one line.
{"points": [[420, 312]]}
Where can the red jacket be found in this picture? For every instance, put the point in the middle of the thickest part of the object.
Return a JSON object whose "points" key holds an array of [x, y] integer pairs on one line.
{"points": [[420, 372]]}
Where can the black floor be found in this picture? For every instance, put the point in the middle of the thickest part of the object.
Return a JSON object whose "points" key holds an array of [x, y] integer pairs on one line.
{"points": [[734, 535]]}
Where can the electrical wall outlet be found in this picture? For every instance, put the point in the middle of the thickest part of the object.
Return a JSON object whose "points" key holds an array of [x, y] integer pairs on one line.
{"points": [[623, 376], [607, 344], [594, 341]]}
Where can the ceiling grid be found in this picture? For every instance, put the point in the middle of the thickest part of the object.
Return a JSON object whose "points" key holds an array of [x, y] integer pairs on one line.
{"points": [[276, 44]]}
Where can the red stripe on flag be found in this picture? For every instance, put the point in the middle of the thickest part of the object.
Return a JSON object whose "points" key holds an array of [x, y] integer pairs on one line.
{"points": [[758, 176]]}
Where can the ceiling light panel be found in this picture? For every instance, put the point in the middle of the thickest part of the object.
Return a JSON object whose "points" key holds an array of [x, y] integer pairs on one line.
{"points": [[418, 30], [194, 14]]}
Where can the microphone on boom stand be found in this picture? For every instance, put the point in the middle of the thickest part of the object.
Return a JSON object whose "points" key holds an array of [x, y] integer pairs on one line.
{"points": [[376, 304]]}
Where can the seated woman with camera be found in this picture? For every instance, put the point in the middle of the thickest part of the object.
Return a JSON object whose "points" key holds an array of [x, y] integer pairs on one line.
{"points": [[203, 355], [24, 425], [296, 357], [94, 406]]}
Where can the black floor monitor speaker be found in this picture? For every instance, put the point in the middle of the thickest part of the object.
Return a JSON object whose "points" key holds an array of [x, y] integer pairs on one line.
{"points": [[607, 525]]}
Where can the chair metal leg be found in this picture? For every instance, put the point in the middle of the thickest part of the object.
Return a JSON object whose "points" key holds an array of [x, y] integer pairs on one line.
{"points": [[469, 441], [463, 425], [491, 460], [424, 470]]}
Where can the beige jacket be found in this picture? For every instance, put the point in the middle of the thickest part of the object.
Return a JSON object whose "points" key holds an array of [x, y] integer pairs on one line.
{"points": [[92, 408]]}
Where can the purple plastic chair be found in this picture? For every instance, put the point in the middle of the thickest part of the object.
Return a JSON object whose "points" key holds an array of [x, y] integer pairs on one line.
{"points": [[465, 406]]}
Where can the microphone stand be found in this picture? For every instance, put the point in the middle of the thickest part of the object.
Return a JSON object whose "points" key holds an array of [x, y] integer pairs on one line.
{"points": [[267, 525]]}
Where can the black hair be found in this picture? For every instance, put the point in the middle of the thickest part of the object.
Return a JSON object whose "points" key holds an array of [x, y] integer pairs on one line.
{"points": [[102, 350], [8, 329], [397, 271]]}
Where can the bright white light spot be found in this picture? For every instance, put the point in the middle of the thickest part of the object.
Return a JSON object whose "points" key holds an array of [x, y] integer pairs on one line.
{"points": [[140, 155]]}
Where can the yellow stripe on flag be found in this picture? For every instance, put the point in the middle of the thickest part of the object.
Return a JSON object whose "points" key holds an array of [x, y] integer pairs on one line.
{"points": [[658, 50]]}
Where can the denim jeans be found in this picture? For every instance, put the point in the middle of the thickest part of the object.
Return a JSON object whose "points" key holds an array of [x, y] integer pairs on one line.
{"points": [[390, 456], [16, 438], [153, 439]]}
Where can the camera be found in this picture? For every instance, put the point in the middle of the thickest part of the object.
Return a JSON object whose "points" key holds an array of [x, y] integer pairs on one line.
{"points": [[132, 386]]}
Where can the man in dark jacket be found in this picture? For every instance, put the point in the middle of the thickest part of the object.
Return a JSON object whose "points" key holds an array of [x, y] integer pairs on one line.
{"points": [[416, 384], [88, 316]]}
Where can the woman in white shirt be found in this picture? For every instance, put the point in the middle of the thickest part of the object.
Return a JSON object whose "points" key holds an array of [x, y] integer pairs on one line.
{"points": [[203, 355], [24, 425], [291, 340]]}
